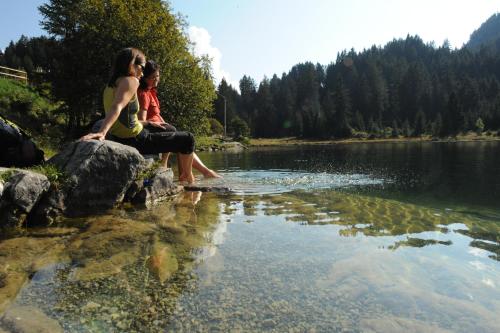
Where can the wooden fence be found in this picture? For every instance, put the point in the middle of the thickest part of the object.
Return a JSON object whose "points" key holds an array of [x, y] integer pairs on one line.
{"points": [[14, 74]]}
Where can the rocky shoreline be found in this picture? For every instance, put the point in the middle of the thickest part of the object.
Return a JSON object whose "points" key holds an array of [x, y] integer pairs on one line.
{"points": [[98, 176]]}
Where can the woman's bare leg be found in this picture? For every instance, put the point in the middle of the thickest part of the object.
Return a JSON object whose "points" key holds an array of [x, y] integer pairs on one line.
{"points": [[179, 166], [206, 172]]}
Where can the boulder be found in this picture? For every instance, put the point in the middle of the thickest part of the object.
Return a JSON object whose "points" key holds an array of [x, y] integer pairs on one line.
{"points": [[158, 187], [99, 174], [20, 194], [234, 147]]}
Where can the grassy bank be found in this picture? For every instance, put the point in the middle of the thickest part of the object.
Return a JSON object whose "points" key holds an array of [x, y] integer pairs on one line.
{"points": [[291, 141], [35, 113]]}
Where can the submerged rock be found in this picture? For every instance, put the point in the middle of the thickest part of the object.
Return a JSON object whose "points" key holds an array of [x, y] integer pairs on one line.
{"points": [[216, 189], [28, 319], [3, 276], [22, 256], [108, 245], [20, 194]]}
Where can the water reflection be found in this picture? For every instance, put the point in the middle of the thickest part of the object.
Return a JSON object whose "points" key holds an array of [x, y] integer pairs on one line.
{"points": [[373, 216], [304, 260], [125, 271], [334, 261]]}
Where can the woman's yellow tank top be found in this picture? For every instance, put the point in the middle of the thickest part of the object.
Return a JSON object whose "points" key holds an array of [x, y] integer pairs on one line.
{"points": [[127, 125]]}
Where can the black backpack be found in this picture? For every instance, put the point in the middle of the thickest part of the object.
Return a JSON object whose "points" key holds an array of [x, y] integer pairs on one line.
{"points": [[16, 147]]}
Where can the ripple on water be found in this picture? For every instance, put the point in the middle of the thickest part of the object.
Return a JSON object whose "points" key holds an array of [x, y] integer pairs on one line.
{"points": [[280, 181]]}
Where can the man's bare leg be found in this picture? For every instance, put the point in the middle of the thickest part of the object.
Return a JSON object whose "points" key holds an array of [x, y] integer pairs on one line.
{"points": [[206, 172], [186, 164], [164, 160]]}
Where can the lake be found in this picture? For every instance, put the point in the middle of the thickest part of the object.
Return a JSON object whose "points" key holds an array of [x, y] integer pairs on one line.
{"points": [[377, 237]]}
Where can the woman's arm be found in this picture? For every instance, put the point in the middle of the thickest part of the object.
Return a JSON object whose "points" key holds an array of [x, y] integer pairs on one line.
{"points": [[142, 116], [126, 89]]}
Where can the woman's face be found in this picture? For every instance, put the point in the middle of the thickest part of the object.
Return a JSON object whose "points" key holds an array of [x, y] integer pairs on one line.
{"points": [[153, 80]]}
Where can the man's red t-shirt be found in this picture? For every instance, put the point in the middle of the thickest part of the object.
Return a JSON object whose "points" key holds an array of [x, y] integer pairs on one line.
{"points": [[148, 101]]}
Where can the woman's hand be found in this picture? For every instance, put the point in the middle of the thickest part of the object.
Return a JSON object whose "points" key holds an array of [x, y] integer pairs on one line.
{"points": [[158, 124], [96, 136]]}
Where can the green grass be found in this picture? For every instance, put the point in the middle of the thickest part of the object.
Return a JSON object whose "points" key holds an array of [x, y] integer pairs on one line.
{"points": [[5, 175], [19, 101], [149, 172], [55, 176], [37, 115], [205, 142]]}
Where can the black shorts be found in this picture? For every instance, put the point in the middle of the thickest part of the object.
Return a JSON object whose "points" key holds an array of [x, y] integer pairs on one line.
{"points": [[156, 142], [168, 128]]}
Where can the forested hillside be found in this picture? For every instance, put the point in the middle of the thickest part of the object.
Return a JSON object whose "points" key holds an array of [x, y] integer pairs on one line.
{"points": [[488, 34], [405, 88]]}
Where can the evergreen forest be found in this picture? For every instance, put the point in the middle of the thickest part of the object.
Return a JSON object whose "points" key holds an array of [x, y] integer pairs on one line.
{"points": [[405, 88]]}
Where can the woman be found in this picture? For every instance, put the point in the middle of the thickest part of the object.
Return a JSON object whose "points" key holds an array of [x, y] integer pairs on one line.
{"points": [[121, 106], [150, 112]]}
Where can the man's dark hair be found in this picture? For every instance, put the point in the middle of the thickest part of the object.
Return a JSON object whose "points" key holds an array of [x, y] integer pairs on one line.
{"points": [[151, 68]]}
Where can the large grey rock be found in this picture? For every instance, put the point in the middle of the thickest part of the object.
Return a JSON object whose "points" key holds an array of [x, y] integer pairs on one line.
{"points": [[158, 188], [21, 193], [27, 319], [100, 172], [234, 147]]}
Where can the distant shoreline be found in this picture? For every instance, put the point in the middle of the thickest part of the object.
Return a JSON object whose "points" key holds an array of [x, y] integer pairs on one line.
{"points": [[293, 141]]}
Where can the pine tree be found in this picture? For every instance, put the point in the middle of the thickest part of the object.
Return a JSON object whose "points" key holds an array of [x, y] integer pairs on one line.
{"points": [[248, 94], [341, 126], [420, 123], [437, 126]]}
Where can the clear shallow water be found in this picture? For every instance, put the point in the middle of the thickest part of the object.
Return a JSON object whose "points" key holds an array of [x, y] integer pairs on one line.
{"points": [[353, 238]]}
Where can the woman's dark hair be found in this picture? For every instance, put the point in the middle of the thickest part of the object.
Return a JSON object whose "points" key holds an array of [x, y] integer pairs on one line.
{"points": [[124, 63], [151, 68]]}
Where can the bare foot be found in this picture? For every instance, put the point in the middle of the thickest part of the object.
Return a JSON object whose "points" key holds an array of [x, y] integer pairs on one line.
{"points": [[211, 174], [187, 178]]}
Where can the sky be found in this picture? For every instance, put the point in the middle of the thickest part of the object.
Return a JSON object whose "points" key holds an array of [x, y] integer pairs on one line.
{"points": [[265, 37]]}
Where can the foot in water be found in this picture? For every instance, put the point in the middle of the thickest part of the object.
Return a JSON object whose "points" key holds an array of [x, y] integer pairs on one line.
{"points": [[187, 179], [211, 174]]}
